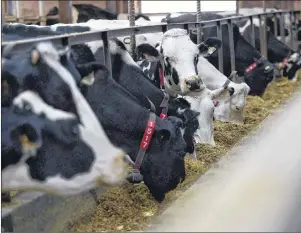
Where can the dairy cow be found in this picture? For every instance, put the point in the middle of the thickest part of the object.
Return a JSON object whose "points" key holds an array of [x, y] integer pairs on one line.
{"points": [[47, 148], [230, 107], [257, 71], [161, 159], [124, 71], [85, 12]]}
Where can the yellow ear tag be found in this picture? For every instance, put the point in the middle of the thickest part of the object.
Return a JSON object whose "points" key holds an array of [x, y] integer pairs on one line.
{"points": [[88, 80], [211, 50], [26, 143], [273, 19]]}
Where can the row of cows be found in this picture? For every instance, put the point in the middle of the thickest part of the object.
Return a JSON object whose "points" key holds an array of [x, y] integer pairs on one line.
{"points": [[68, 126]]}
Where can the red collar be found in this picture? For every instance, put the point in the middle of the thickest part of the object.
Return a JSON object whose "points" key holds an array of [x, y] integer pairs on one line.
{"points": [[251, 67], [284, 62], [161, 74]]}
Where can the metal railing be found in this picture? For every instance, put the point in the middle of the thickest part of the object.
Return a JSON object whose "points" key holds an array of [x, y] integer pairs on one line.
{"points": [[105, 35]]}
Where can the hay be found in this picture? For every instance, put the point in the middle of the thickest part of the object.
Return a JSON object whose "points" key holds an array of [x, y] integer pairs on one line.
{"points": [[131, 208]]}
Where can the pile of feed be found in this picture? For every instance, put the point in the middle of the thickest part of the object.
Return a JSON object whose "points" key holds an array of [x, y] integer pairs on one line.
{"points": [[131, 208]]}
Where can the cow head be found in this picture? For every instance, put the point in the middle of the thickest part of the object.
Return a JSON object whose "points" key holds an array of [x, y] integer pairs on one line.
{"points": [[179, 56], [35, 70], [52, 151], [291, 65], [270, 23], [255, 79], [180, 108]]}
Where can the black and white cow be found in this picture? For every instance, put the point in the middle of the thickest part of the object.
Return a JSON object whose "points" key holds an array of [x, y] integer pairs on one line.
{"points": [[125, 121], [230, 106], [47, 148], [257, 71], [85, 12], [277, 51], [124, 71]]}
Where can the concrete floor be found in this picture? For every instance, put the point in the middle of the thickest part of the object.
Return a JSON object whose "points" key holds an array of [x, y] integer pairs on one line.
{"points": [[256, 189]]}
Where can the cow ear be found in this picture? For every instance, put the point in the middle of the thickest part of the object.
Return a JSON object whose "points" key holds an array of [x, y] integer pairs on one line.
{"points": [[209, 46], [231, 91], [146, 51], [163, 135], [35, 56]]}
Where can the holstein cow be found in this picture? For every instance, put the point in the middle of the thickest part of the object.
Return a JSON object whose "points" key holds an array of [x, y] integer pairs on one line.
{"points": [[156, 145], [278, 52], [231, 104], [47, 148], [124, 71], [257, 71], [85, 12]]}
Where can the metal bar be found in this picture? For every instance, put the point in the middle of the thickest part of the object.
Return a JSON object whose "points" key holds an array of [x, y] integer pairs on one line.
{"points": [[220, 51], [7, 224], [41, 13], [65, 11], [91, 35], [18, 15], [131, 12], [263, 39], [275, 25], [231, 44], [198, 19], [282, 27], [106, 51], [291, 31], [252, 32], [237, 7]]}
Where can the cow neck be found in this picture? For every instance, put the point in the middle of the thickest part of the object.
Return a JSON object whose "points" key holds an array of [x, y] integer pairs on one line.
{"points": [[284, 62], [100, 96], [136, 176]]}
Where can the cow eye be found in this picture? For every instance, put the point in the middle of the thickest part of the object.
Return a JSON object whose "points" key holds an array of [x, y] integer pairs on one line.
{"points": [[26, 106], [231, 91]]}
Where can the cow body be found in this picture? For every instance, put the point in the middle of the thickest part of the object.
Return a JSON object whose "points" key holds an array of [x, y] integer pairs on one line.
{"points": [[85, 12], [37, 155], [127, 134]]}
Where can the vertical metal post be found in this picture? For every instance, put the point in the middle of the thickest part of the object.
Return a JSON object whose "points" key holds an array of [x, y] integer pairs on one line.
{"points": [[252, 32], [282, 27], [291, 32], [220, 51], [263, 38], [131, 13], [106, 51], [41, 13], [275, 25], [231, 44], [18, 15], [65, 11], [198, 19], [237, 7]]}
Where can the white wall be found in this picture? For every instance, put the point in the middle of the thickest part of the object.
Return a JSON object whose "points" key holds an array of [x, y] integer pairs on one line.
{"points": [[185, 6]]}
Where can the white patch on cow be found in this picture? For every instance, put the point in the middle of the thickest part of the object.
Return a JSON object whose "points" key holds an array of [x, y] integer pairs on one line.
{"points": [[175, 15], [114, 49], [74, 15], [204, 105], [230, 108], [255, 22], [108, 166], [180, 51]]}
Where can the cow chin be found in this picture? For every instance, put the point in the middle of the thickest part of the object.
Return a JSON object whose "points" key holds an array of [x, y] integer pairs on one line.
{"points": [[161, 180]]}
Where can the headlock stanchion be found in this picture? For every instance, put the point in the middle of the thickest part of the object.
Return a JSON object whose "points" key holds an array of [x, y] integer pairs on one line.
{"points": [[105, 35]]}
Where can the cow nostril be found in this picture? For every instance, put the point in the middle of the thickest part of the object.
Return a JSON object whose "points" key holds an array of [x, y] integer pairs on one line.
{"points": [[237, 108]]}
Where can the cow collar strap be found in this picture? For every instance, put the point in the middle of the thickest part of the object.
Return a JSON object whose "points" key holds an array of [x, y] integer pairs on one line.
{"points": [[136, 176], [284, 62], [164, 106], [251, 67], [161, 72]]}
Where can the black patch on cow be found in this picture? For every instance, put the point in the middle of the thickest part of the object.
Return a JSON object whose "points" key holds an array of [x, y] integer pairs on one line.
{"points": [[147, 49], [119, 44], [171, 72]]}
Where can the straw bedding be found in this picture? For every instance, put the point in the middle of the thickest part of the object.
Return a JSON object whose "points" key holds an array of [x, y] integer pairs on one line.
{"points": [[131, 208]]}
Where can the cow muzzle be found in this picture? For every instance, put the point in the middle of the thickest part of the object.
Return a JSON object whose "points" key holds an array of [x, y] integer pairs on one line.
{"points": [[194, 83]]}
